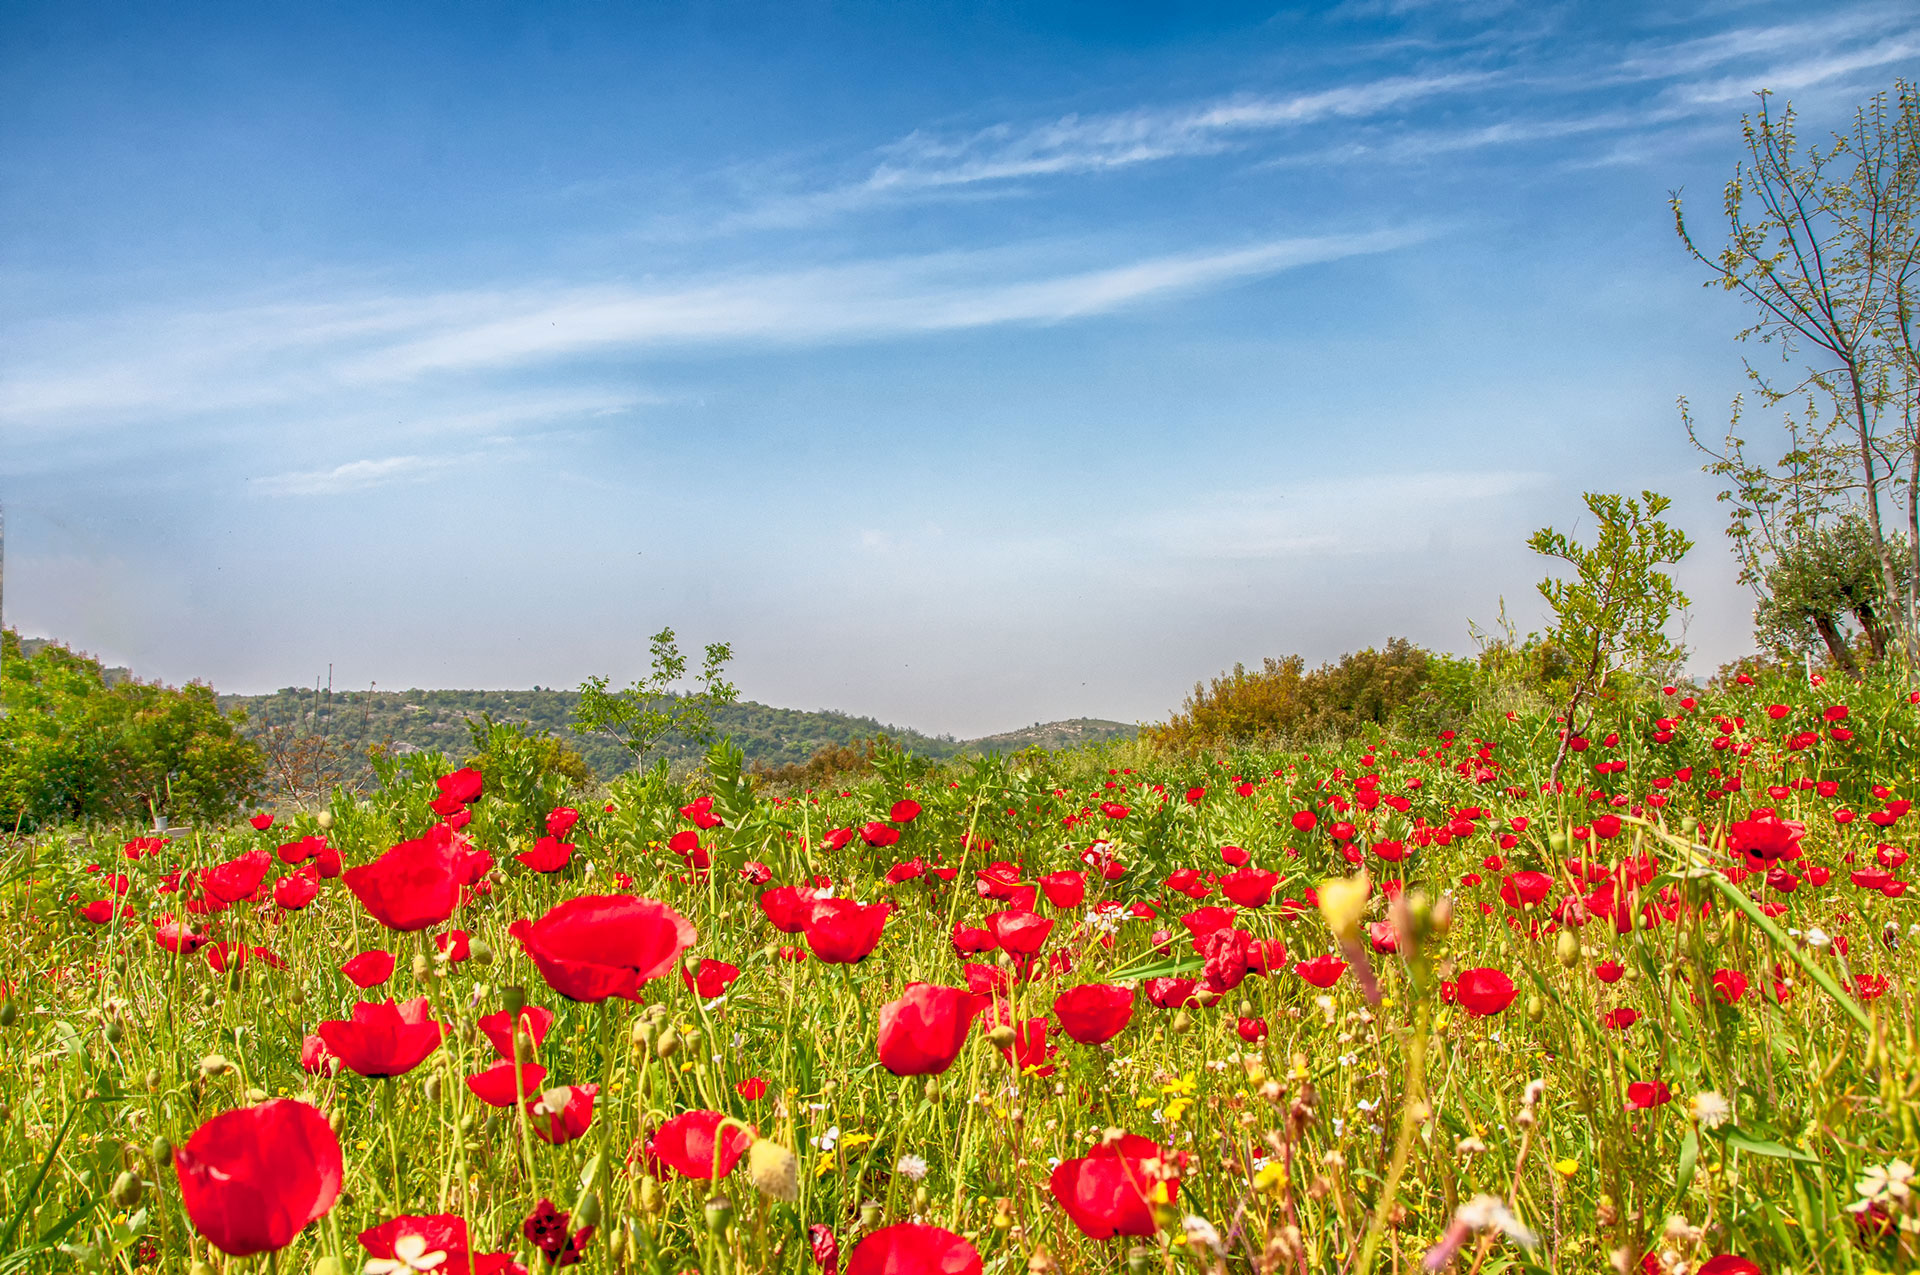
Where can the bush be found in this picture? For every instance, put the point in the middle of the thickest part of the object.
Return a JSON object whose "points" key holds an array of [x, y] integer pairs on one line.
{"points": [[73, 747], [1282, 702]]}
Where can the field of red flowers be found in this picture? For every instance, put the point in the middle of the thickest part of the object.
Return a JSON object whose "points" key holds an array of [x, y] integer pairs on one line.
{"points": [[1400, 1005]]}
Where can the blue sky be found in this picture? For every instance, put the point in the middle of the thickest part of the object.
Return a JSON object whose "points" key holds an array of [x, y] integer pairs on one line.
{"points": [[966, 365]]}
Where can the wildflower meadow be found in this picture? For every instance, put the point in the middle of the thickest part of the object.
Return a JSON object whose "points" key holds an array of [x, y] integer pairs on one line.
{"points": [[1407, 1003]]}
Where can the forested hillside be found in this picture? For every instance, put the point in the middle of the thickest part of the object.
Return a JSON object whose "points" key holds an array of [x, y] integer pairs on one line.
{"points": [[347, 723]]}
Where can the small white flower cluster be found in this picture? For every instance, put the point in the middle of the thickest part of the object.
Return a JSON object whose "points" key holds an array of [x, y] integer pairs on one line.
{"points": [[1890, 1187]]}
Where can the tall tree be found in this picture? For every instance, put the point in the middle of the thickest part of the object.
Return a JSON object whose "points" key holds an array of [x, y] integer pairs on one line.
{"points": [[1822, 246]]}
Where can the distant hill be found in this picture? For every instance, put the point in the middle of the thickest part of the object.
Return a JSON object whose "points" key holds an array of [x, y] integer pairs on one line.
{"points": [[419, 720]]}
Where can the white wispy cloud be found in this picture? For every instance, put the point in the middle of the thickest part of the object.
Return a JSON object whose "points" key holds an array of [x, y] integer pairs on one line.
{"points": [[1805, 72], [355, 475], [245, 358], [1090, 143]]}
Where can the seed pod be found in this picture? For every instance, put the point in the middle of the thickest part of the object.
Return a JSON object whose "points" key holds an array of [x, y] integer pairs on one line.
{"points": [[921, 1198], [127, 1189], [513, 999], [871, 1211], [297, 995], [719, 1214], [1002, 1037], [200, 1268]]}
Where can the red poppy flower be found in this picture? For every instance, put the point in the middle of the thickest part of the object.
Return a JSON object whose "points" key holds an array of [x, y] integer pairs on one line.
{"points": [[1171, 993], [1227, 959], [1483, 992], [549, 854], [438, 1242], [910, 1248], [455, 945], [563, 1114], [922, 1032], [1094, 1012], [710, 978], [1644, 1094], [691, 1143], [1189, 882], [412, 886], [968, 940], [905, 810], [1609, 971], [753, 1088], [1764, 838], [1321, 971], [1250, 887], [1383, 937], [1106, 1191], [175, 936], [495, 1085], [1252, 1030], [252, 1178], [1620, 1019], [101, 911], [296, 891], [1304, 821], [384, 1038], [317, 1058], [300, 851], [1030, 1051], [369, 969], [842, 932], [1729, 985], [1021, 933], [1523, 889], [262, 821], [602, 945], [462, 785], [560, 820], [1727, 1264], [534, 1022], [237, 879], [1065, 889], [788, 907], [1204, 921], [878, 835]]}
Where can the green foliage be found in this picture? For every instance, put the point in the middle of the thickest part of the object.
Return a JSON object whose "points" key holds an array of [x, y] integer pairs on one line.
{"points": [[527, 773], [1818, 585], [1282, 702], [649, 711], [1612, 614], [74, 747]]}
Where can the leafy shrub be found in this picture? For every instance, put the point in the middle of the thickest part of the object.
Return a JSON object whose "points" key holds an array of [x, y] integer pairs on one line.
{"points": [[73, 747]]}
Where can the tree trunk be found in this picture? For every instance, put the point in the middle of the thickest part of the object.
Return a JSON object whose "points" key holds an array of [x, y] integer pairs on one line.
{"points": [[1836, 645], [1875, 628]]}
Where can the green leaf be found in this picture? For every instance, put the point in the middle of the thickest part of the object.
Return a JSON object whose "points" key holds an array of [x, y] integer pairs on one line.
{"points": [[1739, 1140], [1689, 1157]]}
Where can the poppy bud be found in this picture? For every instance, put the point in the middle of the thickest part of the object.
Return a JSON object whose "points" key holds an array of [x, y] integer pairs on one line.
{"points": [[587, 1211], [1246, 1008], [871, 1211], [152, 1079], [668, 1045], [719, 1214], [256, 1094], [431, 1087], [209, 998], [650, 1198], [1566, 949], [643, 1034], [480, 951], [325, 820], [114, 1033], [1536, 1009], [1002, 1037], [1139, 1261], [617, 1244], [161, 1151], [215, 1065], [200, 1268], [127, 1189], [513, 999], [1689, 826], [8, 1012], [1442, 917], [422, 969], [1557, 842], [326, 1266], [298, 996], [1182, 1021], [932, 1089]]}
